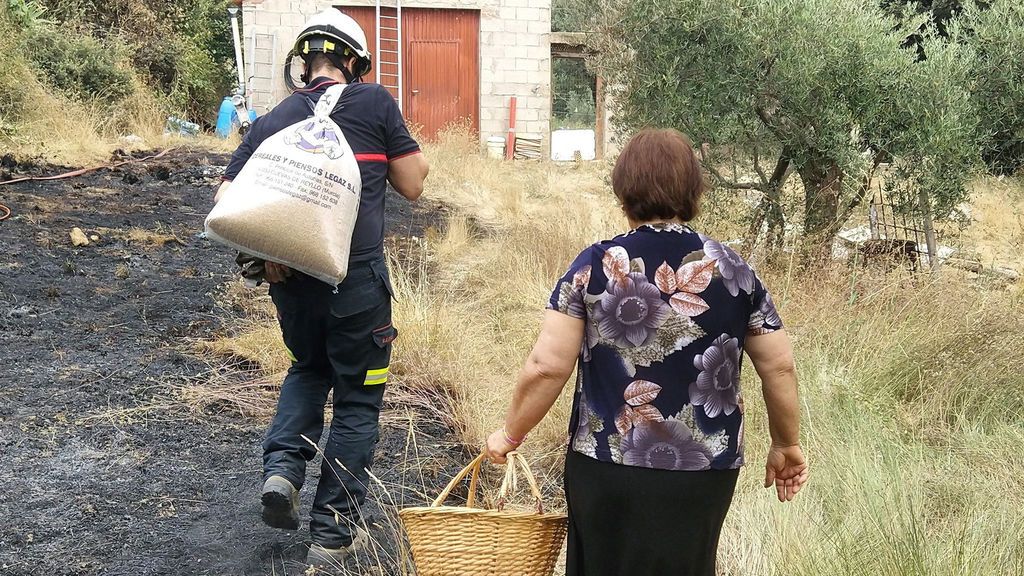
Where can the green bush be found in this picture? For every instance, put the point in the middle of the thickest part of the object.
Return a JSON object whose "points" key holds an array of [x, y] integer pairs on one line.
{"points": [[12, 95], [199, 82], [999, 82], [26, 13], [183, 49], [77, 64]]}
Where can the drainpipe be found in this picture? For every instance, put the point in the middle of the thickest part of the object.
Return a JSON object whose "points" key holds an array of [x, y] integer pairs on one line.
{"points": [[233, 12], [238, 99]]}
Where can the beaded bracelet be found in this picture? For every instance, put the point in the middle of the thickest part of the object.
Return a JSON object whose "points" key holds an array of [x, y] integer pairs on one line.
{"points": [[512, 440]]}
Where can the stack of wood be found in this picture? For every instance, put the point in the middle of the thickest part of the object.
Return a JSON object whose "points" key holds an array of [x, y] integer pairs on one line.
{"points": [[529, 147]]}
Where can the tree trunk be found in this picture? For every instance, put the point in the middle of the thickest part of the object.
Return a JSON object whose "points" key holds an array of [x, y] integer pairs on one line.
{"points": [[776, 220], [823, 181], [770, 208]]}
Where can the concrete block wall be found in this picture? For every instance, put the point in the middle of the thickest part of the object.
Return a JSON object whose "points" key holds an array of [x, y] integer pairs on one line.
{"points": [[515, 60], [515, 55], [274, 24]]}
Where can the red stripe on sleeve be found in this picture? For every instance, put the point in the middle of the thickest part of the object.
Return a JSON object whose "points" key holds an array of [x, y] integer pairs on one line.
{"points": [[371, 158], [410, 153]]}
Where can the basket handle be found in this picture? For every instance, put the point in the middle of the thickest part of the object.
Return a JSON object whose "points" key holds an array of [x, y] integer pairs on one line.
{"points": [[509, 484], [511, 481], [473, 467]]}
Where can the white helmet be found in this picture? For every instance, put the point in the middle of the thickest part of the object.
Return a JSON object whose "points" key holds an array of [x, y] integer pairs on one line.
{"points": [[323, 29]]}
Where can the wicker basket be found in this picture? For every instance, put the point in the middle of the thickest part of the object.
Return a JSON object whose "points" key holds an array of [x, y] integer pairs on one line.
{"points": [[466, 541]]}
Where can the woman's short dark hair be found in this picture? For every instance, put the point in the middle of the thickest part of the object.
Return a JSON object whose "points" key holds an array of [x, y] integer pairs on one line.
{"points": [[658, 176]]}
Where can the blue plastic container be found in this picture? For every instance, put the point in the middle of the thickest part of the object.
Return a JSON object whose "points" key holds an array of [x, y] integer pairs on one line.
{"points": [[227, 118]]}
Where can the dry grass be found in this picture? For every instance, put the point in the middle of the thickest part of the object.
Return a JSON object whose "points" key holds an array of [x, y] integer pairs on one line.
{"points": [[470, 307], [912, 412], [912, 393], [159, 237], [257, 343], [71, 133], [252, 398], [151, 238], [996, 232], [44, 125]]}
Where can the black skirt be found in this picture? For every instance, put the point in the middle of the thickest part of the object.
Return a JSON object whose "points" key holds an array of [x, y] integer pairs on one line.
{"points": [[627, 520]]}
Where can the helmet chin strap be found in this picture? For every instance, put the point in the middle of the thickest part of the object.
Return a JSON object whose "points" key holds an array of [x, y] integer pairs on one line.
{"points": [[337, 62]]}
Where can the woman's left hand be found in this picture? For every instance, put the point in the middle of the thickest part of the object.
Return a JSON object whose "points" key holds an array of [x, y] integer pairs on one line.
{"points": [[497, 446]]}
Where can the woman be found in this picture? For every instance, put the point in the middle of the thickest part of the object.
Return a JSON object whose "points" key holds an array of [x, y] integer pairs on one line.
{"points": [[657, 318]]}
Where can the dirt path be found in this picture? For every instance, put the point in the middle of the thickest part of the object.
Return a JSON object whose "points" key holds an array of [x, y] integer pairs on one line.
{"points": [[104, 471]]}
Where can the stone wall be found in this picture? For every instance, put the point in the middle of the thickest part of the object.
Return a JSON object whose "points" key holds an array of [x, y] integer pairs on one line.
{"points": [[515, 55]]}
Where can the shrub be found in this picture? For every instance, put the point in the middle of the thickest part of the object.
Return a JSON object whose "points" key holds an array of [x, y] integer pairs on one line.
{"points": [[79, 65], [15, 74], [183, 49], [26, 13], [998, 41]]}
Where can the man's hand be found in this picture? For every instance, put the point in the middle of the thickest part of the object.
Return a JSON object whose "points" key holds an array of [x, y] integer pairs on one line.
{"points": [[497, 446], [221, 191], [787, 468], [274, 272]]}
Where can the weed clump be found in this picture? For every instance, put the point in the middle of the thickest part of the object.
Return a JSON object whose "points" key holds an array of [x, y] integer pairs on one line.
{"points": [[79, 65]]}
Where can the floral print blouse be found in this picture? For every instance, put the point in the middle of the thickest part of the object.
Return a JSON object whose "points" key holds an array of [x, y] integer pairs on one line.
{"points": [[666, 312]]}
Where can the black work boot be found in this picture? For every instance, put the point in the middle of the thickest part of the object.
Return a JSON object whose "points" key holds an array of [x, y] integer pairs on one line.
{"points": [[280, 503]]}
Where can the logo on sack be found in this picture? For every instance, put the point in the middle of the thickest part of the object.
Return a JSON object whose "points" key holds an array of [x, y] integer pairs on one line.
{"points": [[316, 138]]}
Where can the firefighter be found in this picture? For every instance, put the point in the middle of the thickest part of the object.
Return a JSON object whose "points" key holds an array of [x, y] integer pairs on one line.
{"points": [[339, 338]]}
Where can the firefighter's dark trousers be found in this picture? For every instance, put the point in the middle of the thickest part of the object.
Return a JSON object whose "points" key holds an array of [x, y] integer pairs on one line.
{"points": [[341, 342]]}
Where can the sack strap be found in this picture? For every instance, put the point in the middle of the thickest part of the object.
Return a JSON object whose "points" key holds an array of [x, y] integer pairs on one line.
{"points": [[509, 484], [329, 101]]}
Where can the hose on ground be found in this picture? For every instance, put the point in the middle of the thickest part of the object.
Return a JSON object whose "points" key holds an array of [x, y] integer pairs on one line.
{"points": [[81, 171], [5, 212]]}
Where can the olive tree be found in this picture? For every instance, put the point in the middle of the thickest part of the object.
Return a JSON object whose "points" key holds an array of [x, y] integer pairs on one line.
{"points": [[819, 88], [998, 40]]}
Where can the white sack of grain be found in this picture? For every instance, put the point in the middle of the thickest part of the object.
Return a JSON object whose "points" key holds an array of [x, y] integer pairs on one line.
{"points": [[296, 200]]}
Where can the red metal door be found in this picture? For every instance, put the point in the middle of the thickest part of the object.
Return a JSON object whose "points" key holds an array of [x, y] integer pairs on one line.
{"points": [[441, 66], [440, 63], [433, 99]]}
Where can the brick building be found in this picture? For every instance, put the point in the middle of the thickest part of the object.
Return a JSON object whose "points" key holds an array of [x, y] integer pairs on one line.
{"points": [[444, 60]]}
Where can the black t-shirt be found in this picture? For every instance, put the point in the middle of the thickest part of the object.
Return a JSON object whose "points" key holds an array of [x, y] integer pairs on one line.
{"points": [[373, 125]]}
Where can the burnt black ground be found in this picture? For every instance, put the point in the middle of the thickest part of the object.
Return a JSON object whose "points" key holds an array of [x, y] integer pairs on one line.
{"points": [[103, 470]]}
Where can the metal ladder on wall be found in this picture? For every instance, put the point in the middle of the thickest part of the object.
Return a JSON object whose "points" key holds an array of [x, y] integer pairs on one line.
{"points": [[389, 47]]}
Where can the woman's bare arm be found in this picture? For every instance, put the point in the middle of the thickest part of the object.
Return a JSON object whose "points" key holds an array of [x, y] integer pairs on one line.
{"points": [[540, 381], [786, 466], [772, 356]]}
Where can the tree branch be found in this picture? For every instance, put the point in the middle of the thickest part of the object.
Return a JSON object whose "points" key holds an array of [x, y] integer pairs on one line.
{"points": [[865, 187], [782, 167], [770, 206], [760, 171], [765, 117], [729, 183]]}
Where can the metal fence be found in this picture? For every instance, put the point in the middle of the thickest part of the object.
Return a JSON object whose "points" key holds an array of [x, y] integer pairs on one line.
{"points": [[902, 230], [573, 94]]}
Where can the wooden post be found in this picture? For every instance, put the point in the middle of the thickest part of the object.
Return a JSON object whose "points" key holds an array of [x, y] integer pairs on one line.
{"points": [[510, 140], [929, 230], [599, 126]]}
